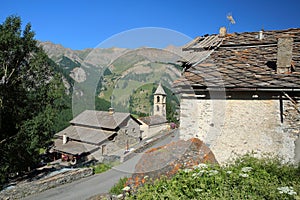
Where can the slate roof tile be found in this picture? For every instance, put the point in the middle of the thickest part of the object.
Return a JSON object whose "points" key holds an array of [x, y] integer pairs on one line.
{"points": [[100, 119], [85, 134], [241, 60], [154, 120], [73, 147]]}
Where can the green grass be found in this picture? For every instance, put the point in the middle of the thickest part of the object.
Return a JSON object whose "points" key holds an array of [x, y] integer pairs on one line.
{"points": [[247, 178]]}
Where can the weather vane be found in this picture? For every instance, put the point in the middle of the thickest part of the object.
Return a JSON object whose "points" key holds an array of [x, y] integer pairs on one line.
{"points": [[230, 19]]}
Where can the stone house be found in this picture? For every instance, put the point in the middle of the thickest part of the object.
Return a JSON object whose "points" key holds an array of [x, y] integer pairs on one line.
{"points": [[98, 135], [240, 93], [152, 125]]}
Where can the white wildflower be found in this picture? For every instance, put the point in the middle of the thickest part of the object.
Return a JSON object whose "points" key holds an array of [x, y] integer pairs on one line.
{"points": [[228, 172], [201, 166], [244, 175], [127, 188], [195, 174], [287, 190], [246, 169], [198, 190], [213, 172], [146, 177], [187, 170]]}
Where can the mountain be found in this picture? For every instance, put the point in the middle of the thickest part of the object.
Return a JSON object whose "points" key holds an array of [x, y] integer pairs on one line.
{"points": [[113, 74]]}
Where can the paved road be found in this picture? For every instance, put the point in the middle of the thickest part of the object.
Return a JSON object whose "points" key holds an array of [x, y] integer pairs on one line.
{"points": [[96, 184]]}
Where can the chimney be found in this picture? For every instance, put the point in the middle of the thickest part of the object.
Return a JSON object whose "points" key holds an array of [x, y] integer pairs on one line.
{"points": [[222, 31], [111, 111], [65, 139], [284, 54], [261, 35]]}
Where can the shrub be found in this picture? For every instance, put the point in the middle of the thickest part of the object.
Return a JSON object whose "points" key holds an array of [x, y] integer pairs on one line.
{"points": [[101, 168], [117, 188], [246, 178]]}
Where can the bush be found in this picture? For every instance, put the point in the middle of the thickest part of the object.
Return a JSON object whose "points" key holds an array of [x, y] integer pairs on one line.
{"points": [[246, 178], [101, 168], [117, 188]]}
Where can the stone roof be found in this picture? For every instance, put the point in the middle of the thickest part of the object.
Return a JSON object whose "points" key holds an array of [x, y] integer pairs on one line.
{"points": [[73, 147], [240, 61], [85, 134], [154, 120], [100, 119], [160, 90]]}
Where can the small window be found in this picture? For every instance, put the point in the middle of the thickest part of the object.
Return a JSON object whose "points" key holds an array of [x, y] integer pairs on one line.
{"points": [[112, 138], [157, 108], [158, 99]]}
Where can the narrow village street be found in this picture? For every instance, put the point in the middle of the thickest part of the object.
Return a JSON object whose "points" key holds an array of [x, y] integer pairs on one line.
{"points": [[99, 183]]}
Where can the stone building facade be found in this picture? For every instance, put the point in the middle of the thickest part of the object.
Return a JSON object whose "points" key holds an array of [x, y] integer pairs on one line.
{"points": [[240, 93]]}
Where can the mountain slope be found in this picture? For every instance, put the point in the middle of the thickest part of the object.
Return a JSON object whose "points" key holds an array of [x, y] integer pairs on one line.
{"points": [[113, 74]]}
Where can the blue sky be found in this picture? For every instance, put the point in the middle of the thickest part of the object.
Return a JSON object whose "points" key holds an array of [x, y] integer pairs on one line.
{"points": [[85, 24]]}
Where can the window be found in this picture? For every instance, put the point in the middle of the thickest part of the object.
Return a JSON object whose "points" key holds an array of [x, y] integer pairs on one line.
{"points": [[158, 99], [157, 108], [112, 138]]}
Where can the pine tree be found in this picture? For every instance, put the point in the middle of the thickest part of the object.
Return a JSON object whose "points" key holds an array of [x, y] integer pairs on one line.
{"points": [[30, 95]]}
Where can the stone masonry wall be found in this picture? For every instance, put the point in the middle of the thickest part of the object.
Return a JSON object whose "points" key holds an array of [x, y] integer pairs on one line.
{"points": [[235, 127], [114, 149]]}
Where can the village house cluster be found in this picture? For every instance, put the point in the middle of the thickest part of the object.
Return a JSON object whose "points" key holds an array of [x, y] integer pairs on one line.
{"points": [[108, 135]]}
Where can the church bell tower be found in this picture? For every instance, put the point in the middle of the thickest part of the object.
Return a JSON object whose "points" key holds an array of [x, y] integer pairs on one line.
{"points": [[159, 106]]}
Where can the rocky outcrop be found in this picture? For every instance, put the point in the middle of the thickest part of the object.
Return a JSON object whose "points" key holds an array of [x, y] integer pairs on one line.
{"points": [[168, 159]]}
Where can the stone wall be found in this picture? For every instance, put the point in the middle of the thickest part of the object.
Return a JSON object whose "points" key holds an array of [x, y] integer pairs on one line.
{"points": [[235, 127], [144, 145], [130, 133], [291, 125], [115, 148], [155, 129], [28, 188]]}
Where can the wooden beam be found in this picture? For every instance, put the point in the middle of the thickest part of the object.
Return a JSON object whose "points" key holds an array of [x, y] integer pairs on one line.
{"points": [[293, 101], [281, 108]]}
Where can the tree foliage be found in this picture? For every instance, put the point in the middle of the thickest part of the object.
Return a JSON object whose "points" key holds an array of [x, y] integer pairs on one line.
{"points": [[30, 97]]}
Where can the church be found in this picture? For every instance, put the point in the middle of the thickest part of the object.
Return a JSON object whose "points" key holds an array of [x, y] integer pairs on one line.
{"points": [[152, 125]]}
